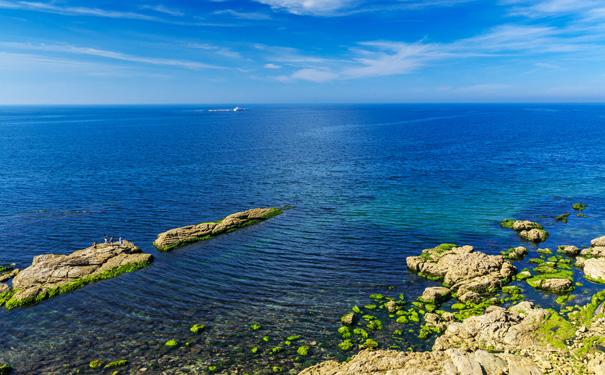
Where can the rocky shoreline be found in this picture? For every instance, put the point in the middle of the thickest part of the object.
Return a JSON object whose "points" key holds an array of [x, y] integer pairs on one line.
{"points": [[480, 337], [51, 275], [178, 237]]}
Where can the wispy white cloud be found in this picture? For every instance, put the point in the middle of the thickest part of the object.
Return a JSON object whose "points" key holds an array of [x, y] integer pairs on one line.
{"points": [[71, 11], [163, 9], [272, 66], [216, 49], [65, 48], [386, 58], [314, 7], [256, 16]]}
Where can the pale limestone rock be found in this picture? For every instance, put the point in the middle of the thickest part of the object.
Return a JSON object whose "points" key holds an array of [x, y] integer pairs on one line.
{"points": [[8, 275], [49, 272], [435, 295], [594, 268], [192, 233], [598, 242]]}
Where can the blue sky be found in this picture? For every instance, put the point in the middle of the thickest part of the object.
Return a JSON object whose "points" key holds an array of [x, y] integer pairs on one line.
{"points": [[296, 51]]}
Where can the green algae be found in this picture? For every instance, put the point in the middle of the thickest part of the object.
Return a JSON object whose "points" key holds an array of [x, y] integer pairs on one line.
{"points": [[370, 307], [346, 345], [171, 343], [255, 326], [303, 350], [579, 206], [445, 247], [76, 284], [266, 338], [348, 320], [293, 338], [511, 290], [508, 223], [274, 211], [360, 332], [344, 332], [545, 251], [254, 350], [375, 325], [95, 364], [356, 309], [277, 369], [555, 330], [116, 364], [562, 218], [277, 349], [197, 328], [376, 297], [212, 368], [369, 344]]}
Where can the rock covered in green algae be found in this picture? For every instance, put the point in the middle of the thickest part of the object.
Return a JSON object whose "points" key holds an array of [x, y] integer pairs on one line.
{"points": [[5, 369], [51, 275], [95, 364], [177, 237], [197, 328], [348, 320], [568, 250]]}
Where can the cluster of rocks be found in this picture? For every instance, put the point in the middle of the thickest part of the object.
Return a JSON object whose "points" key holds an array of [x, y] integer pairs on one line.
{"points": [[177, 237], [51, 274], [528, 230], [500, 342], [462, 270], [592, 260]]}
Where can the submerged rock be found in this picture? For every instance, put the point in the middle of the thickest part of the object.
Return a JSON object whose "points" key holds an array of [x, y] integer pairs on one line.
{"points": [[177, 237], [527, 230], [51, 275]]}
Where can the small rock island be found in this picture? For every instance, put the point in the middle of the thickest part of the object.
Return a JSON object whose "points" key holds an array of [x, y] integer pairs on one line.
{"points": [[193, 233], [51, 274]]}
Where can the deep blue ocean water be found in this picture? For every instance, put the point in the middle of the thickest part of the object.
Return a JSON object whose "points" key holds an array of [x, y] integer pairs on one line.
{"points": [[370, 185]]}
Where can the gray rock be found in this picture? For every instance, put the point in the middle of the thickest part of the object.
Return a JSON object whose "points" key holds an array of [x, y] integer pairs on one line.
{"points": [[8, 275], [391, 306], [465, 364], [4, 288], [569, 250], [534, 235], [470, 297], [555, 285], [180, 236], [598, 242], [594, 269], [435, 295]]}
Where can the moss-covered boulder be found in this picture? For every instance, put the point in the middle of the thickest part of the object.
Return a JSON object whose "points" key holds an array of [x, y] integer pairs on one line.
{"points": [[51, 275], [527, 230], [177, 237], [534, 235], [568, 250]]}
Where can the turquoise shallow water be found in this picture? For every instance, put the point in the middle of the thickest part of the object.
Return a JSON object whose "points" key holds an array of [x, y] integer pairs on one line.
{"points": [[370, 185]]}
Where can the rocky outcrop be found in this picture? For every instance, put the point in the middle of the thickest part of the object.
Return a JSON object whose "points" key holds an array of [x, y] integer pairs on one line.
{"points": [[449, 362], [193, 233], [527, 230], [594, 269], [462, 269], [8, 275], [497, 329], [51, 275]]}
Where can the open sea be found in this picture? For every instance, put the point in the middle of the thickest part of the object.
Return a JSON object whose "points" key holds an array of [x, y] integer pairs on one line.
{"points": [[369, 185]]}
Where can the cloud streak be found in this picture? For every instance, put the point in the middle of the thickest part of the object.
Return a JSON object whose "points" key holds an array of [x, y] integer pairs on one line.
{"points": [[64, 48]]}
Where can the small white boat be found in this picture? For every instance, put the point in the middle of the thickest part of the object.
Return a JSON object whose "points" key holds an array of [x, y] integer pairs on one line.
{"points": [[238, 109]]}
